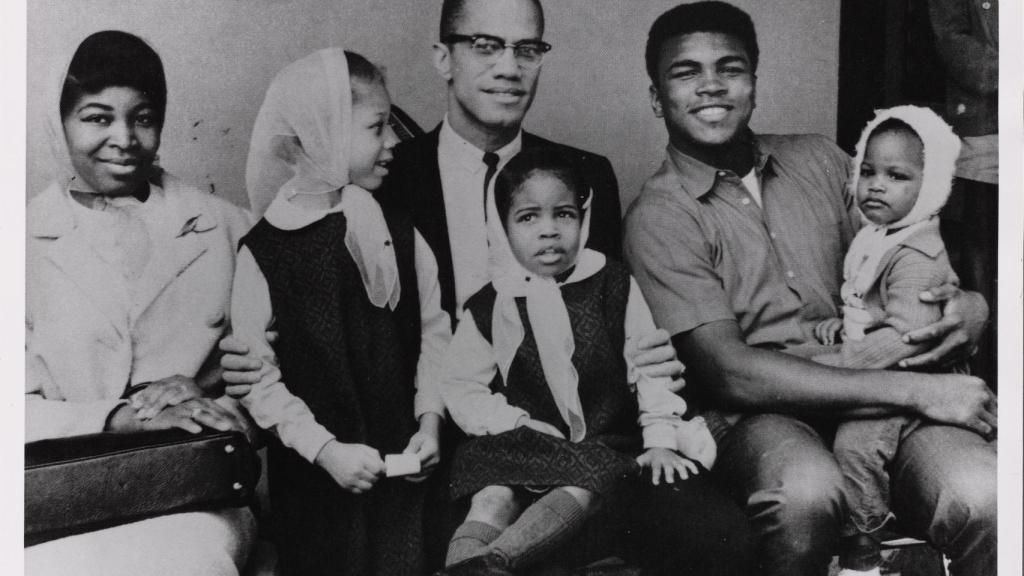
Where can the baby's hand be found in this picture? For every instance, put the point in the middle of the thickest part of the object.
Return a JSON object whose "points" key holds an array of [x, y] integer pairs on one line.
{"points": [[667, 462], [543, 428], [355, 467], [827, 331], [694, 441]]}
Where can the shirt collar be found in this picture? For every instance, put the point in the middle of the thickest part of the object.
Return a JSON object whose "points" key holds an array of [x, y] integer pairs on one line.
{"points": [[286, 215], [458, 150], [698, 178]]}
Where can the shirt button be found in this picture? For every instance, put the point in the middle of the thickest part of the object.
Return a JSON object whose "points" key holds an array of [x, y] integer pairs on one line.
{"points": [[790, 274], [961, 108], [745, 201], [986, 5], [721, 172], [773, 235]]}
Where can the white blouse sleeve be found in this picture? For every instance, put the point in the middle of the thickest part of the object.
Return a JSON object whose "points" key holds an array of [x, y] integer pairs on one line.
{"points": [[469, 366], [269, 402], [435, 332], [660, 409]]}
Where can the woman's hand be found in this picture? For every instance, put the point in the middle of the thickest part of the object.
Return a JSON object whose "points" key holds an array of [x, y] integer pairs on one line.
{"points": [[654, 355], [827, 330], [159, 394], [425, 444], [663, 461], [955, 336], [190, 415], [355, 467]]}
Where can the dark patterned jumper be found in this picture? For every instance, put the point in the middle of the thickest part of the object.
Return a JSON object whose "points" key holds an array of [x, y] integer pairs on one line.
{"points": [[354, 365], [524, 457]]}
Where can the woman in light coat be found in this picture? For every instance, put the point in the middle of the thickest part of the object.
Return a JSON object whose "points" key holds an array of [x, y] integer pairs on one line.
{"points": [[129, 275]]}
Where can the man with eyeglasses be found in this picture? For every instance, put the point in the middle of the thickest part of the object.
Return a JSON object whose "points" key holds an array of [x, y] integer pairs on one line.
{"points": [[490, 53]]}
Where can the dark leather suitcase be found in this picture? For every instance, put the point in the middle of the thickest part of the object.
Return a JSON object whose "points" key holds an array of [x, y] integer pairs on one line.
{"points": [[84, 483]]}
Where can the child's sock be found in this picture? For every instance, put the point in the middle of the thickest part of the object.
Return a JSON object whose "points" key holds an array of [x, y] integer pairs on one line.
{"points": [[470, 539], [541, 528]]}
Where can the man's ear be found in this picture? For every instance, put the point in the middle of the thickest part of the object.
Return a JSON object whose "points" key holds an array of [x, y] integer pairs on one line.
{"points": [[656, 102], [443, 60]]}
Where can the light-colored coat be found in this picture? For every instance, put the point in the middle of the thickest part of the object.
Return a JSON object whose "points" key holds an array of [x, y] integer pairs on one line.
{"points": [[81, 352]]}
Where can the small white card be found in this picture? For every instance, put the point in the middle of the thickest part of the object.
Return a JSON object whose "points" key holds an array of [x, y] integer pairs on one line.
{"points": [[401, 464]]}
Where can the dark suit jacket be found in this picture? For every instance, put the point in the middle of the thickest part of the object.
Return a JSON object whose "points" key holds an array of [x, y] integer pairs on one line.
{"points": [[414, 184]]}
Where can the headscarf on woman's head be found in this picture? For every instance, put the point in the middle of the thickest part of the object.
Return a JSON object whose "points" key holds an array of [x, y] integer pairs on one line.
{"points": [[549, 318], [861, 265], [102, 60], [301, 146]]}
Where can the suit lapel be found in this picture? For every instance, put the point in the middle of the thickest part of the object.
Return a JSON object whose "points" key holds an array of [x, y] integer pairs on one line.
{"points": [[429, 215]]}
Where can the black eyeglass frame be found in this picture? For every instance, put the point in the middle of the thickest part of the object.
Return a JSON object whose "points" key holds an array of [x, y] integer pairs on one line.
{"points": [[539, 45]]}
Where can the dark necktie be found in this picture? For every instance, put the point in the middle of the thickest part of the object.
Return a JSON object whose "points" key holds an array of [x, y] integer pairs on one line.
{"points": [[491, 160]]}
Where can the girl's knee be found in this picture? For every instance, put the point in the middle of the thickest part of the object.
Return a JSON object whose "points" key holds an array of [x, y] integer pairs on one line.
{"points": [[495, 505]]}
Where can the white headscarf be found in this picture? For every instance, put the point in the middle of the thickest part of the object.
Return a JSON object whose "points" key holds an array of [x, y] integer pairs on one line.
{"points": [[861, 266], [548, 315], [53, 126], [301, 144]]}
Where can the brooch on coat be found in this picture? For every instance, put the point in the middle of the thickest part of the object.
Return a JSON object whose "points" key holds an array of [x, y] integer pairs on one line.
{"points": [[193, 225]]}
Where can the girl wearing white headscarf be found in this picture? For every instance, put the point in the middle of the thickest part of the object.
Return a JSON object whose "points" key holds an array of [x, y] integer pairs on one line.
{"points": [[538, 376], [128, 288], [895, 256], [350, 287]]}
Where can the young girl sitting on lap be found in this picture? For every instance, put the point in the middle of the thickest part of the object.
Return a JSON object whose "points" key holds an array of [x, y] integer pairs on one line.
{"points": [[536, 375]]}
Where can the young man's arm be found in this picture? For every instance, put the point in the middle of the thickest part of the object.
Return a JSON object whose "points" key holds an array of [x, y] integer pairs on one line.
{"points": [[735, 376]]}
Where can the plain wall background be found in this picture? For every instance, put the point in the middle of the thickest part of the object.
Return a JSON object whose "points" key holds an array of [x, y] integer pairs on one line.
{"points": [[220, 56]]}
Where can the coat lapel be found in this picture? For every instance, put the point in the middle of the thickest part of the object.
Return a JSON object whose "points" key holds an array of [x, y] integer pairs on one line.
{"points": [[52, 219], [422, 177], [193, 225]]}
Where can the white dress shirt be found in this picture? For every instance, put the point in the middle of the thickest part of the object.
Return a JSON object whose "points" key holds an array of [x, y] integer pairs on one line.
{"points": [[462, 181]]}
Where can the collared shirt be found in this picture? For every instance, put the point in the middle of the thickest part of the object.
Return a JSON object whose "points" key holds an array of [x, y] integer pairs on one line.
{"points": [[702, 249], [462, 181], [270, 403]]}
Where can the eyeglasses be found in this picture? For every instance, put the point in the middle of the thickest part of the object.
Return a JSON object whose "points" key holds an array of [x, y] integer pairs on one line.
{"points": [[529, 53]]}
